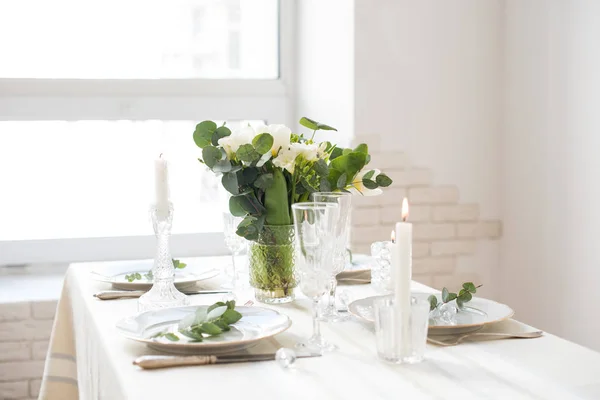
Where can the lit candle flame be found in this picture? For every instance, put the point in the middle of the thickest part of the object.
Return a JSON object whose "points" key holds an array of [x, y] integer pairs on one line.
{"points": [[393, 236], [404, 209]]}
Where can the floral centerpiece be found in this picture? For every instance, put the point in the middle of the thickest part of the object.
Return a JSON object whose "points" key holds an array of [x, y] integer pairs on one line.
{"points": [[267, 169]]}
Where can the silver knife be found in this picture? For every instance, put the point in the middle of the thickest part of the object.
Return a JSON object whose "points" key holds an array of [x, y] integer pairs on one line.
{"points": [[154, 362], [119, 294]]}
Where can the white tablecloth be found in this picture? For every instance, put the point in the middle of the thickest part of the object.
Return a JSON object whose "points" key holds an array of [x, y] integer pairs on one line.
{"points": [[88, 356]]}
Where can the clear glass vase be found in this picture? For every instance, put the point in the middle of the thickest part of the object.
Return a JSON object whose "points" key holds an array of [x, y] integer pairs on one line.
{"points": [[272, 269]]}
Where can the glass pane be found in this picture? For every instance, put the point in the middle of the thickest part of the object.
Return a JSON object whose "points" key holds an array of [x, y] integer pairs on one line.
{"points": [[139, 39], [96, 178]]}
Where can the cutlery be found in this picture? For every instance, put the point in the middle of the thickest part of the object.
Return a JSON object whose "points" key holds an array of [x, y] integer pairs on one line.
{"points": [[516, 335], [154, 362], [119, 294]]}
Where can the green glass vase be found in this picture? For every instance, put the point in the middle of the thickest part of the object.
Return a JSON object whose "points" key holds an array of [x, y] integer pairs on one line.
{"points": [[272, 272]]}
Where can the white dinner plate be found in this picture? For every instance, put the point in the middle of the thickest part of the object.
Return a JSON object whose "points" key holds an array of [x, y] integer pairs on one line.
{"points": [[115, 273], [477, 313], [257, 323]]}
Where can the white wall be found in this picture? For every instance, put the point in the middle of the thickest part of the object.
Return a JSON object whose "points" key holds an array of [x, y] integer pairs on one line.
{"points": [[325, 66], [427, 77], [550, 270]]}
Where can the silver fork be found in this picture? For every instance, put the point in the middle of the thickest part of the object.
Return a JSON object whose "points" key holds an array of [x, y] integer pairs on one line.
{"points": [[457, 340]]}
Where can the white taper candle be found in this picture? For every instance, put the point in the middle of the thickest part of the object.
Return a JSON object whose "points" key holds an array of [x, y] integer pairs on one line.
{"points": [[161, 183]]}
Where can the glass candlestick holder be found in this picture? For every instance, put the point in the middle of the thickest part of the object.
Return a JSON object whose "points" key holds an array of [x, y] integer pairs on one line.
{"points": [[163, 293]]}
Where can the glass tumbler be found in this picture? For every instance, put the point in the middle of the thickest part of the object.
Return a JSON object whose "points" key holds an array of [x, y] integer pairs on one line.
{"points": [[401, 335]]}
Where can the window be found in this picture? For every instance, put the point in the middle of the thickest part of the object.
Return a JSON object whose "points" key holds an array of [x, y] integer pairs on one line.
{"points": [[92, 91]]}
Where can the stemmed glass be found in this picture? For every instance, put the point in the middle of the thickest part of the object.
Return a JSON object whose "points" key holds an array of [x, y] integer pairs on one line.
{"points": [[314, 225], [340, 236], [235, 244]]}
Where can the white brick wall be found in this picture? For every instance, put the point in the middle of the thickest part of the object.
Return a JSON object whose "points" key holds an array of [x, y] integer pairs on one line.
{"points": [[443, 230], [24, 333]]}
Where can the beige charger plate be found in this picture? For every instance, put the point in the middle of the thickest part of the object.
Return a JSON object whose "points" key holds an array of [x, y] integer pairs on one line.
{"points": [[257, 323], [478, 312], [114, 273]]}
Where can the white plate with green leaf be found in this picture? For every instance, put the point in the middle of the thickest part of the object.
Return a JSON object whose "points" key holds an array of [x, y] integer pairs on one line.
{"points": [[220, 328], [475, 314], [137, 274]]}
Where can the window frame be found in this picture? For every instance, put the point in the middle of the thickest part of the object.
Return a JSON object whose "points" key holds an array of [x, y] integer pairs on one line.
{"points": [[145, 99]]}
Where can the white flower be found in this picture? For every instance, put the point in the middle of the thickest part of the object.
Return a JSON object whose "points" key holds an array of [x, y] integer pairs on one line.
{"points": [[281, 136], [232, 143], [359, 188], [286, 159], [322, 150], [308, 151]]}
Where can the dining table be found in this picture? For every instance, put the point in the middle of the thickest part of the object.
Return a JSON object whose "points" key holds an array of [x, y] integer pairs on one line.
{"points": [[89, 358]]}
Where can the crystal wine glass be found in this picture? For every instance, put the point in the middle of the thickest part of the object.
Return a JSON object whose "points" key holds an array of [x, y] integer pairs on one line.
{"points": [[235, 244], [340, 236], [314, 225]]}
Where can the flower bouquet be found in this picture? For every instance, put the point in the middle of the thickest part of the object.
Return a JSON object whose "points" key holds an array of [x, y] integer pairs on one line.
{"points": [[267, 169]]}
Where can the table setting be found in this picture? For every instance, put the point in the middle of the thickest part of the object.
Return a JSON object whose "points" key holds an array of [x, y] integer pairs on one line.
{"points": [[301, 317]]}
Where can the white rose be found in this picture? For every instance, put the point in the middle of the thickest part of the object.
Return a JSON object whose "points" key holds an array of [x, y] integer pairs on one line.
{"points": [[358, 187], [286, 159], [308, 151], [281, 136], [232, 143]]}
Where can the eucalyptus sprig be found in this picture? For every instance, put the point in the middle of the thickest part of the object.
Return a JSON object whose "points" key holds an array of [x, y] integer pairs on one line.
{"points": [[464, 295], [149, 275], [210, 321]]}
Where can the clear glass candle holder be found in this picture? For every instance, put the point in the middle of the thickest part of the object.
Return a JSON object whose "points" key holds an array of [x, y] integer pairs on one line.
{"points": [[401, 334], [381, 278]]}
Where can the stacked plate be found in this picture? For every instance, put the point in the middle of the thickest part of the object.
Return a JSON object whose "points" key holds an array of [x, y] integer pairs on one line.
{"points": [[256, 324], [477, 313], [116, 274]]}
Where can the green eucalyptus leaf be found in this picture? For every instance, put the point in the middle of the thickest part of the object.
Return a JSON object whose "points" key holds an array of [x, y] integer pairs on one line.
{"points": [[231, 316], [369, 175], [324, 186], [432, 302], [172, 337], [249, 175], [445, 294], [210, 328], [196, 337], [452, 296], [230, 304], [341, 182], [263, 143], [211, 155], [383, 180], [222, 166], [307, 185], [247, 153], [235, 206], [467, 296], [469, 286], [219, 133], [321, 168], [459, 302], [230, 182], [370, 184], [309, 123], [203, 133], [250, 227], [264, 181]]}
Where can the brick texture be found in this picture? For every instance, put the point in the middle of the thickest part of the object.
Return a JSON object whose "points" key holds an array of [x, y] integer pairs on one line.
{"points": [[34, 387], [14, 311], [443, 230], [44, 309], [15, 351], [14, 390]]}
